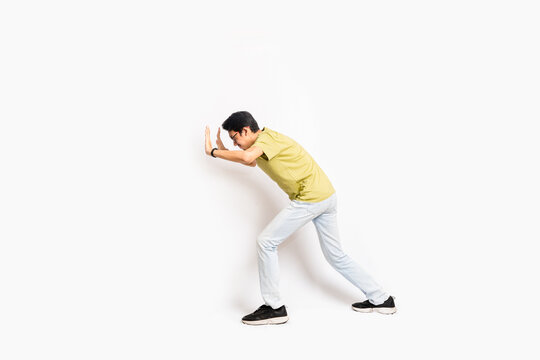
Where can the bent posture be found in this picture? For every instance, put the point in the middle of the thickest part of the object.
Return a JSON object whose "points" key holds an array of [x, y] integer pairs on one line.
{"points": [[312, 198]]}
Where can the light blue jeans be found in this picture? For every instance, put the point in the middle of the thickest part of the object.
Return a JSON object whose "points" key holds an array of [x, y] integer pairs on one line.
{"points": [[293, 217]]}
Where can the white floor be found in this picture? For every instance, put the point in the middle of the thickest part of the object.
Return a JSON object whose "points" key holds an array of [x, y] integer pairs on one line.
{"points": [[98, 326]]}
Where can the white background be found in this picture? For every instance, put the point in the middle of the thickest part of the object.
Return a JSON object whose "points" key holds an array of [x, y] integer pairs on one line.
{"points": [[120, 239]]}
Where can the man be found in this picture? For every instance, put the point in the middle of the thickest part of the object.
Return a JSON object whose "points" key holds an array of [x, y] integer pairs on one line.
{"points": [[312, 198]]}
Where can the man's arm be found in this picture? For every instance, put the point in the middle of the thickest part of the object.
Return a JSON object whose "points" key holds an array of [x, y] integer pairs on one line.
{"points": [[247, 157]]}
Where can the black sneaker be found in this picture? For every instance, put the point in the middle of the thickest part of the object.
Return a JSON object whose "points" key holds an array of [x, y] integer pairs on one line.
{"points": [[266, 315], [387, 307]]}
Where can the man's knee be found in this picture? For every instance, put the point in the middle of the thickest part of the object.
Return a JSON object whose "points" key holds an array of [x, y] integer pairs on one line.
{"points": [[266, 242]]}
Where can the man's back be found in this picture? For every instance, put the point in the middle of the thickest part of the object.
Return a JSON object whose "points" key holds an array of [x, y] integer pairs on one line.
{"points": [[292, 168]]}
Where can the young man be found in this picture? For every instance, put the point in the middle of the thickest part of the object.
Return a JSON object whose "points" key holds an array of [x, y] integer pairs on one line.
{"points": [[312, 198]]}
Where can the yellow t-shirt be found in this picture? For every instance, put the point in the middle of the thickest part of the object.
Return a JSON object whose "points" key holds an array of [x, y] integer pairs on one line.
{"points": [[292, 168]]}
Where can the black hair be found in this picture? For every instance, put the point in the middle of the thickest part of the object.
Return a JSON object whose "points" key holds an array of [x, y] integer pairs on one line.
{"points": [[238, 120]]}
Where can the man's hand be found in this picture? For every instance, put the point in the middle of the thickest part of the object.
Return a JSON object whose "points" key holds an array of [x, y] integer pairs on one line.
{"points": [[207, 142], [219, 143], [247, 157]]}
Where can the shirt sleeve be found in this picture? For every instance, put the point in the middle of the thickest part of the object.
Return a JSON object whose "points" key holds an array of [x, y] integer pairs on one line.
{"points": [[267, 145]]}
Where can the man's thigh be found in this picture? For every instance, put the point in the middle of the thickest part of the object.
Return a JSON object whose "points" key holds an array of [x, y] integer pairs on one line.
{"points": [[286, 222]]}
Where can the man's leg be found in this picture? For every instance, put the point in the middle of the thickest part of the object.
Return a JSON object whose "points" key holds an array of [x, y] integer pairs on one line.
{"points": [[327, 229], [290, 219]]}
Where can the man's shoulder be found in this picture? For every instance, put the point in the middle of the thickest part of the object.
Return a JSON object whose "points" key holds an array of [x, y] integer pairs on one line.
{"points": [[266, 135], [268, 132], [272, 142]]}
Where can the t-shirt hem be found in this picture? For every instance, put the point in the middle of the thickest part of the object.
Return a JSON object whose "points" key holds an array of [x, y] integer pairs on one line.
{"points": [[314, 202]]}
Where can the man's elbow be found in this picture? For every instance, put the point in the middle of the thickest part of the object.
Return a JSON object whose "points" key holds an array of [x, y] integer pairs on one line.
{"points": [[247, 159]]}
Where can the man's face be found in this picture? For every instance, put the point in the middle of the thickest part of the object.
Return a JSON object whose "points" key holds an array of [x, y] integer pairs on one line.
{"points": [[241, 139]]}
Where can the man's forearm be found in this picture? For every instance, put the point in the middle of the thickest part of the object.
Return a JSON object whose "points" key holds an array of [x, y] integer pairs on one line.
{"points": [[238, 156]]}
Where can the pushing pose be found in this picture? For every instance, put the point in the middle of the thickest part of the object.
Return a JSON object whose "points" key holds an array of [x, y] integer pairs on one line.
{"points": [[312, 198]]}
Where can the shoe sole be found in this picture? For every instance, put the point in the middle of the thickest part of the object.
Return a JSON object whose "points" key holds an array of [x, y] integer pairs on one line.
{"points": [[386, 311], [271, 321]]}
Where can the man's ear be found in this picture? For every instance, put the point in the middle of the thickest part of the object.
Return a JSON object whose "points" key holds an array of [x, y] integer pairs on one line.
{"points": [[246, 130]]}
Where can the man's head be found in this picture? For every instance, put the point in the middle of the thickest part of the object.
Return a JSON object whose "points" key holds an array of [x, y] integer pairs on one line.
{"points": [[243, 129]]}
